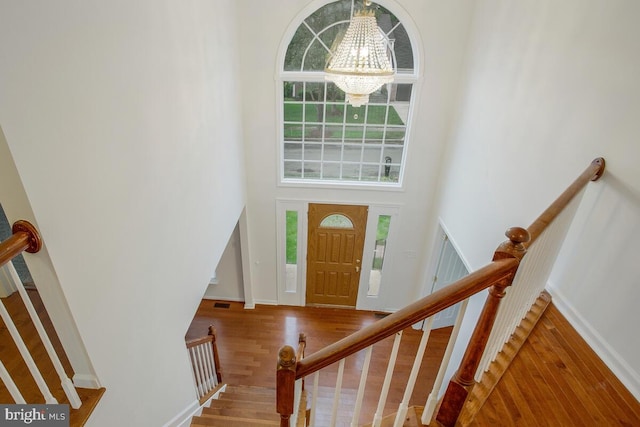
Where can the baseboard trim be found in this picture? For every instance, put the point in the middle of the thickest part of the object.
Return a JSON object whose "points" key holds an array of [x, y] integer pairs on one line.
{"points": [[208, 297], [183, 419], [620, 368], [86, 381], [266, 302]]}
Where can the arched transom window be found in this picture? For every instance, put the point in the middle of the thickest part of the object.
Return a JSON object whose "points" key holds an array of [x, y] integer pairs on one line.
{"points": [[326, 140]]}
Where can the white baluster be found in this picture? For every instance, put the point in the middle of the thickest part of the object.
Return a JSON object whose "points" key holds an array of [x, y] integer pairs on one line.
{"points": [[314, 399], [205, 362], [432, 400], [11, 386], [203, 374], [377, 419], [196, 371], [67, 385], [361, 387], [417, 362], [336, 395], [212, 361], [24, 351]]}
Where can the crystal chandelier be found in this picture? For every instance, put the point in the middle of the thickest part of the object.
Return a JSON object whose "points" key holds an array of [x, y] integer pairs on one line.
{"points": [[360, 64]]}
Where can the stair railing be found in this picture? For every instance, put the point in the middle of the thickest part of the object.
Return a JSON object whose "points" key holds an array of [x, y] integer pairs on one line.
{"points": [[496, 276], [205, 363], [25, 238]]}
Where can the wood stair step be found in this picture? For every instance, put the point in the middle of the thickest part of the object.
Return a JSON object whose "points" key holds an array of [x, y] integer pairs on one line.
{"points": [[270, 415], [414, 413], [240, 406], [248, 397], [221, 404], [250, 389], [225, 421]]}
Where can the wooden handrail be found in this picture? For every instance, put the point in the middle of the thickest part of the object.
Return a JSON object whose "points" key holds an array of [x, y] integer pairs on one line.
{"points": [[481, 279], [197, 341], [25, 237], [591, 173]]}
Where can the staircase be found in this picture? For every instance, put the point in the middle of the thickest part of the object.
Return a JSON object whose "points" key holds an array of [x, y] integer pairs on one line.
{"points": [[240, 406], [254, 406]]}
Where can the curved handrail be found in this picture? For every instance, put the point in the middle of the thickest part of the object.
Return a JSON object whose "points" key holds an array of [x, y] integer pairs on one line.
{"points": [[592, 173], [25, 237], [475, 282]]}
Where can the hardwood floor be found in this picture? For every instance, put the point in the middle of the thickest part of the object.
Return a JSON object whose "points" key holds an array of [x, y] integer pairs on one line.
{"points": [[556, 380]]}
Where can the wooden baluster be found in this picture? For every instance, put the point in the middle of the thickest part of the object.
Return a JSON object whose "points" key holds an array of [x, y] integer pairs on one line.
{"points": [[216, 359], [463, 380], [285, 384]]}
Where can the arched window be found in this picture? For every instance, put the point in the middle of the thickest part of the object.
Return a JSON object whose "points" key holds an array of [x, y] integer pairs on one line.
{"points": [[326, 140]]}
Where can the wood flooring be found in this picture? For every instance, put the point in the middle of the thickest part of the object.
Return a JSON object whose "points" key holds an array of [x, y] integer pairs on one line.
{"points": [[556, 380]]}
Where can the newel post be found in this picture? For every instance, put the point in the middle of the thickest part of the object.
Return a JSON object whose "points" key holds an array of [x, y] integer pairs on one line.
{"points": [[463, 380], [214, 348], [285, 383]]}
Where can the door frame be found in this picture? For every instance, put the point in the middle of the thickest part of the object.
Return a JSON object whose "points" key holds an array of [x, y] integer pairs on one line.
{"points": [[319, 260], [296, 295]]}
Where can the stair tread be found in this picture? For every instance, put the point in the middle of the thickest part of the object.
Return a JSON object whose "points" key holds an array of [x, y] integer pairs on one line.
{"points": [[228, 403], [253, 398], [270, 414], [221, 420], [250, 389]]}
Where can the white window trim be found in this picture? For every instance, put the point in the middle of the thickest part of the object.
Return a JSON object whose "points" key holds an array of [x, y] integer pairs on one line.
{"points": [[281, 76]]}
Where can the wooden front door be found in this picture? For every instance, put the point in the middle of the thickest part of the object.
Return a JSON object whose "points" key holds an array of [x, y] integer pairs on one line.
{"points": [[334, 253]]}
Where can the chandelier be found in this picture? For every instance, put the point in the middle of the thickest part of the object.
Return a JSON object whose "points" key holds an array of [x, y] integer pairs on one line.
{"points": [[361, 64]]}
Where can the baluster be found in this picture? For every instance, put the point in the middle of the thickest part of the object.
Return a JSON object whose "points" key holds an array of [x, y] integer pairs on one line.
{"points": [[24, 351], [464, 378], [361, 387], [67, 385], [212, 366], [203, 374], [417, 362], [336, 395], [377, 419], [196, 371], [11, 385], [432, 400], [205, 363], [314, 399]]}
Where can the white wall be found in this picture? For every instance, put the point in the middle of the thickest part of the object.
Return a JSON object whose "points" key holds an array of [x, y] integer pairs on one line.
{"points": [[228, 284], [442, 29], [123, 121], [550, 86]]}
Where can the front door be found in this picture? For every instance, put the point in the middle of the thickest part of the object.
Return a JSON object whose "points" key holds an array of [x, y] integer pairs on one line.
{"points": [[334, 253]]}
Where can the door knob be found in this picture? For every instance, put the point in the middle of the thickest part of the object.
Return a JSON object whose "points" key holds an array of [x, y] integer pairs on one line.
{"points": [[357, 268]]}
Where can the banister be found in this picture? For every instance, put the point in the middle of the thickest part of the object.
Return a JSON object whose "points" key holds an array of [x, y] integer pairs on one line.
{"points": [[25, 237], [197, 341], [591, 173], [475, 282]]}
